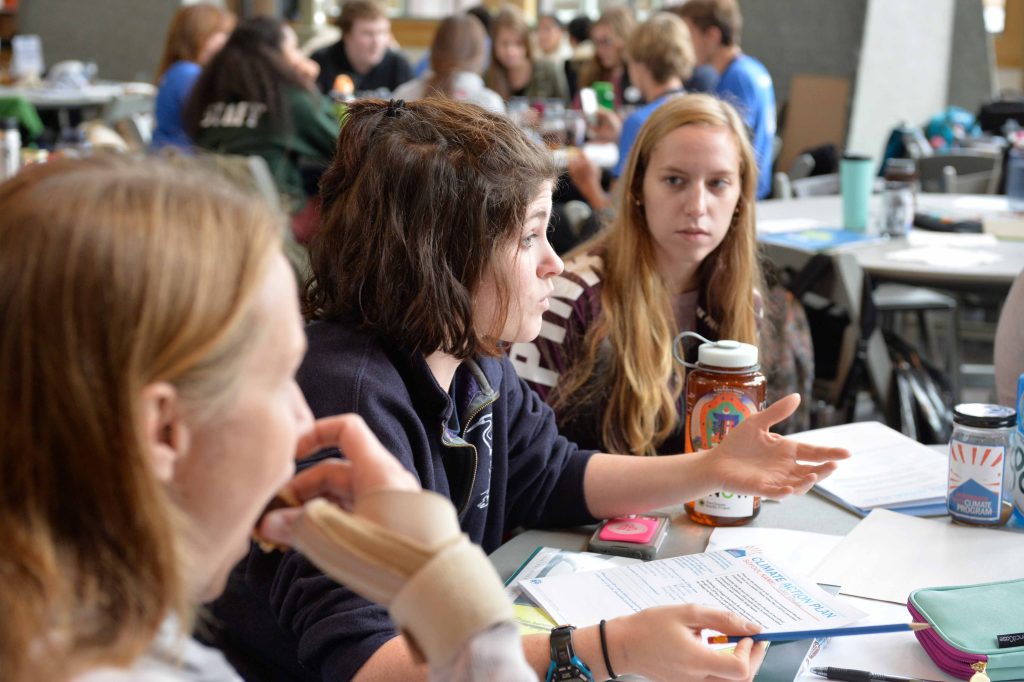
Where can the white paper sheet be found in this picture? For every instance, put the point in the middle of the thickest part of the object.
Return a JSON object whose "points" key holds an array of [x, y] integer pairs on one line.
{"points": [[980, 203], [787, 225], [743, 581], [886, 468], [546, 561], [888, 555], [953, 239], [800, 550], [944, 256], [894, 653]]}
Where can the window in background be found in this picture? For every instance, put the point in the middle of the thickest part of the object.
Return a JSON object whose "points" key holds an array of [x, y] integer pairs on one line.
{"points": [[995, 15]]}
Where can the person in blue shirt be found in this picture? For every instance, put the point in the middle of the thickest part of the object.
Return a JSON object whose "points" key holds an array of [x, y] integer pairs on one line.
{"points": [[196, 34], [744, 82], [661, 58]]}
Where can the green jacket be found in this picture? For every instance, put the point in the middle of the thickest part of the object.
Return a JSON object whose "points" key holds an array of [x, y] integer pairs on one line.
{"points": [[242, 128]]}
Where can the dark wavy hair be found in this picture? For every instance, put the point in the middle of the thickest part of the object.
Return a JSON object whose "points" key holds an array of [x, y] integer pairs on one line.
{"points": [[249, 68], [417, 205]]}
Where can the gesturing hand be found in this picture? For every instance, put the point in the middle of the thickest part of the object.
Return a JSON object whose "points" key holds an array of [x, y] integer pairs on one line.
{"points": [[753, 461]]}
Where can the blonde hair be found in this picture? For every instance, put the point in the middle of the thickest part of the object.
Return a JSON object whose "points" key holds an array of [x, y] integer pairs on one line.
{"points": [[663, 45], [510, 18], [639, 384], [114, 275], [621, 21]]}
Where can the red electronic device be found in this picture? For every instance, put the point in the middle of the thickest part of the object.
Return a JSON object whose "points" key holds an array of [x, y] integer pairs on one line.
{"points": [[633, 536]]}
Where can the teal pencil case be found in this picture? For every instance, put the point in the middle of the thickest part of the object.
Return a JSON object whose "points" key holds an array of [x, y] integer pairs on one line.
{"points": [[977, 631]]}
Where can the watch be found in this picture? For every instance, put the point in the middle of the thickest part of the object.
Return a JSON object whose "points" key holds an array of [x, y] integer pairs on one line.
{"points": [[565, 664]]}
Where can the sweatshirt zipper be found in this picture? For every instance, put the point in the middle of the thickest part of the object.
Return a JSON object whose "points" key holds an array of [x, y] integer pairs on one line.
{"points": [[476, 455]]}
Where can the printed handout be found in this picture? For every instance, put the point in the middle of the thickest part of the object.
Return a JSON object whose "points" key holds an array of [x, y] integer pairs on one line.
{"points": [[744, 581]]}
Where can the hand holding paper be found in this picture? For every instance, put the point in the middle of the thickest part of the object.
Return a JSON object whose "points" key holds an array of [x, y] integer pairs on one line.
{"points": [[753, 461], [665, 643]]}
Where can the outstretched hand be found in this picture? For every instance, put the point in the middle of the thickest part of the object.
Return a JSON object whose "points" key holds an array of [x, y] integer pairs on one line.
{"points": [[754, 461]]}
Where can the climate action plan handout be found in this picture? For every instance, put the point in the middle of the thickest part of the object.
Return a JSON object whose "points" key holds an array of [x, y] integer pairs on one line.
{"points": [[744, 581]]}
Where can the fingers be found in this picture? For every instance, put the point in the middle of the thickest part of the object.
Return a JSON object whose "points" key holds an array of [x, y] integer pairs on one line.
{"points": [[806, 452], [276, 527], [723, 621], [731, 665], [778, 411], [331, 479], [368, 464], [338, 431]]}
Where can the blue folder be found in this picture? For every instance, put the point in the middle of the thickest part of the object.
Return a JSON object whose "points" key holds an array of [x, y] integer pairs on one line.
{"points": [[914, 509], [818, 238]]}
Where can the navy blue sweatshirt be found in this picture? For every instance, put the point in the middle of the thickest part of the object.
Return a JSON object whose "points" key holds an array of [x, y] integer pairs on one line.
{"points": [[494, 450]]}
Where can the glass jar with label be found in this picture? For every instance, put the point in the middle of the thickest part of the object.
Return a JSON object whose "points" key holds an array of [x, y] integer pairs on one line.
{"points": [[724, 388], [898, 197], [980, 488]]}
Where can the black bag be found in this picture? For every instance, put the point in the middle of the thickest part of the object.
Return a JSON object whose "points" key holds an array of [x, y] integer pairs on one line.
{"points": [[922, 398], [828, 321], [992, 116]]}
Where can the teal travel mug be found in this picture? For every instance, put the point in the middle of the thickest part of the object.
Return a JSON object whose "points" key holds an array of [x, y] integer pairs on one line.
{"points": [[856, 177]]}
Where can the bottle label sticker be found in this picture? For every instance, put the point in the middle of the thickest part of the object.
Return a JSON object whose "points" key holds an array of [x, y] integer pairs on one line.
{"points": [[715, 414], [732, 505], [975, 481]]}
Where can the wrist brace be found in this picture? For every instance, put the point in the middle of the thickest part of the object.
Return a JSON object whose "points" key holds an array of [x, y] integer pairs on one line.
{"points": [[405, 550]]}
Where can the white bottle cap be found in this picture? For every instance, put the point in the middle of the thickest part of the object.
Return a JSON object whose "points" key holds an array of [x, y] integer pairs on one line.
{"points": [[728, 354]]}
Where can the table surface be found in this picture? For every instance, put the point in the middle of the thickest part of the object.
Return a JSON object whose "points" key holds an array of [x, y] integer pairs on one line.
{"points": [[876, 257], [801, 512], [95, 94]]}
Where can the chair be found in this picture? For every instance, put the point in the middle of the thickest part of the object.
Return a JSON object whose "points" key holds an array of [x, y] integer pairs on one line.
{"points": [[842, 285], [963, 173], [782, 182], [816, 186], [893, 299]]}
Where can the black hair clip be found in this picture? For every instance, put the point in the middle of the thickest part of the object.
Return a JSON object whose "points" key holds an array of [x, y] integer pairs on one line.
{"points": [[395, 106]]}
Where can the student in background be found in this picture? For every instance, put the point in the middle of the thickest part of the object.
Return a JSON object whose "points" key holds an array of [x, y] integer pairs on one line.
{"points": [[196, 33], [582, 51], [743, 80], [432, 258], [257, 97], [609, 35], [660, 59], [364, 52], [165, 293], [456, 60], [681, 254], [513, 71], [552, 43]]}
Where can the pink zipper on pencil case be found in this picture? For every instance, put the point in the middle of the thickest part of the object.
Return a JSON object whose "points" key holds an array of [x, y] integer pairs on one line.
{"points": [[951, 659]]}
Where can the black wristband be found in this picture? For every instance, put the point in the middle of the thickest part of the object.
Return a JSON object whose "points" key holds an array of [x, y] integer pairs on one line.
{"points": [[604, 652]]}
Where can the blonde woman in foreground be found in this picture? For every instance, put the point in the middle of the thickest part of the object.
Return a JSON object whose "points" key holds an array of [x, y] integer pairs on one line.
{"points": [[151, 413]]}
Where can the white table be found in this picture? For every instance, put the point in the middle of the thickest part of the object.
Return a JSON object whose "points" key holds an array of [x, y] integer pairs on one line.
{"points": [[94, 95], [876, 258]]}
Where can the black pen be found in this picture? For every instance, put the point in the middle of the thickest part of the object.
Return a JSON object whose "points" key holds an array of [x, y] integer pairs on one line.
{"points": [[847, 675]]}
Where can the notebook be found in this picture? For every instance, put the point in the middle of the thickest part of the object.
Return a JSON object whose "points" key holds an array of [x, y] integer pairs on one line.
{"points": [[887, 470], [818, 238]]}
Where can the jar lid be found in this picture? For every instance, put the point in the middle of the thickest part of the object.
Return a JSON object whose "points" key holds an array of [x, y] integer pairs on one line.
{"points": [[731, 354], [984, 416]]}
